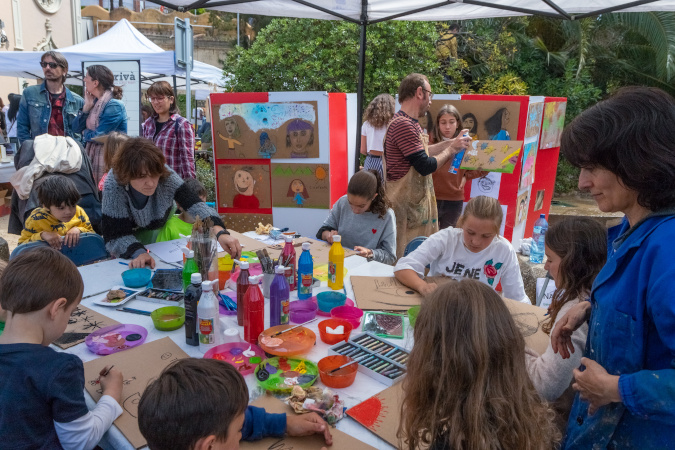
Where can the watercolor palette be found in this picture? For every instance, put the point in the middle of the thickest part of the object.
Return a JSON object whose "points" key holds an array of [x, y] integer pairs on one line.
{"points": [[295, 342], [116, 338], [243, 356], [377, 358], [280, 374]]}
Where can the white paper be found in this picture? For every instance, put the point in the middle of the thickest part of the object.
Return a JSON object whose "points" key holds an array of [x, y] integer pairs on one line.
{"points": [[548, 295], [487, 185], [171, 251]]}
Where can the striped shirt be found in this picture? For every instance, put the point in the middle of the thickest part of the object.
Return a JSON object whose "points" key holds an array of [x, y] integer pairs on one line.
{"points": [[404, 139]]}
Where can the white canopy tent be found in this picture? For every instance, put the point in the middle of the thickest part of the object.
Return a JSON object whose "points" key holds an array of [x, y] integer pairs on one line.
{"points": [[121, 42]]}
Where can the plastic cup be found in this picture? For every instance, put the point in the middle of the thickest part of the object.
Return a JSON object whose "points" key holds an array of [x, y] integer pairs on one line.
{"points": [[338, 379], [231, 335], [302, 311], [351, 314], [330, 338], [168, 318], [329, 300], [266, 283]]}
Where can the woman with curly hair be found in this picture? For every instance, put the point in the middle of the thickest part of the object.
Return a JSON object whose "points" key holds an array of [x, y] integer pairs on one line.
{"points": [[467, 387], [377, 116]]}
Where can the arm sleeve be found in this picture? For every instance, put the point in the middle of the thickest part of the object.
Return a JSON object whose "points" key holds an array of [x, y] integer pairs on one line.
{"points": [[23, 121], [113, 116], [512, 280], [191, 202], [430, 250], [258, 424], [332, 221], [187, 142], [117, 226], [386, 248], [85, 432], [32, 229], [79, 122], [84, 224], [423, 163]]}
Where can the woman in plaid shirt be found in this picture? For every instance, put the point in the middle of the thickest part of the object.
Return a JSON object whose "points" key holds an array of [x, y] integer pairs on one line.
{"points": [[171, 132]]}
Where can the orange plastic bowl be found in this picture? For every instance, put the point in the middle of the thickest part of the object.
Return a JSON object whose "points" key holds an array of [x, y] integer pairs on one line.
{"points": [[330, 338], [341, 378]]}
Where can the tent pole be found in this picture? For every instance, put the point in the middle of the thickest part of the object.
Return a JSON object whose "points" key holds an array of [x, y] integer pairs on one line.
{"points": [[359, 90], [175, 88]]}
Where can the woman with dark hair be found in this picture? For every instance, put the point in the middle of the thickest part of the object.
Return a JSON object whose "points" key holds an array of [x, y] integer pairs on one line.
{"points": [[496, 125], [11, 112], [171, 132], [102, 112], [139, 195], [626, 392]]}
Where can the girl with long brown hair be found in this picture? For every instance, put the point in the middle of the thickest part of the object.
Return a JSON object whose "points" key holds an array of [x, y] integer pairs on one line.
{"points": [[467, 387], [377, 116]]}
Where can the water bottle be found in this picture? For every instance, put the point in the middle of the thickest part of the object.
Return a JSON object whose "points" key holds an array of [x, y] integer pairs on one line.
{"points": [[538, 238], [305, 273], [279, 298], [208, 318], [192, 294]]}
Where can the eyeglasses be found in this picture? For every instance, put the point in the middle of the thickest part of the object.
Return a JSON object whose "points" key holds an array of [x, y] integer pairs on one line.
{"points": [[52, 65], [431, 94], [157, 99]]}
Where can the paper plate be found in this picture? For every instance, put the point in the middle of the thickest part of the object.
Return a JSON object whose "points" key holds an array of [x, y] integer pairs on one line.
{"points": [[280, 374], [131, 293], [296, 342], [348, 302], [116, 338], [243, 356]]}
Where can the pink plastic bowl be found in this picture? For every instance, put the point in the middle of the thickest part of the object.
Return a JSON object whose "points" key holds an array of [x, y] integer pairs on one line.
{"points": [[301, 311], [351, 314]]}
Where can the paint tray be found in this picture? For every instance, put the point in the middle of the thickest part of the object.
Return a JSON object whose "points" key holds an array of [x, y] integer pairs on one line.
{"points": [[116, 338], [280, 374], [168, 280], [384, 324], [377, 357], [295, 342], [243, 356]]}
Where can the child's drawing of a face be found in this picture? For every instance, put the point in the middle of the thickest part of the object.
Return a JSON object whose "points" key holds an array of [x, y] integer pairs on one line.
{"points": [[299, 139], [469, 123], [230, 127], [506, 117], [243, 182], [297, 186]]}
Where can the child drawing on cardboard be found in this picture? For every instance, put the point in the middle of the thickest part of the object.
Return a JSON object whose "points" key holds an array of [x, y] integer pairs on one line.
{"points": [[243, 186], [233, 132], [267, 147], [299, 137], [496, 125], [298, 191]]}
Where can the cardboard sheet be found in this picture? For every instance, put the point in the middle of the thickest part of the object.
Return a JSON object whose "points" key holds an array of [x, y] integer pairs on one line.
{"points": [[341, 440], [300, 185], [492, 156], [383, 293], [250, 244], [83, 321], [485, 119], [535, 112], [381, 413], [318, 249], [529, 319], [244, 187], [139, 366]]}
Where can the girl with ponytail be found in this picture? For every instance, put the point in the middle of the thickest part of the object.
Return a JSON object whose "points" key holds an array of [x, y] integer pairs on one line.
{"points": [[364, 219]]}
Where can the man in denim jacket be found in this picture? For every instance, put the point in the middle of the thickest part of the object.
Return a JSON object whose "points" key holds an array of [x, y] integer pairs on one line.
{"points": [[50, 106]]}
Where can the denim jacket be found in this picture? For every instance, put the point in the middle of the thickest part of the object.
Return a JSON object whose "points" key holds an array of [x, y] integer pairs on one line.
{"points": [[112, 118], [35, 110]]}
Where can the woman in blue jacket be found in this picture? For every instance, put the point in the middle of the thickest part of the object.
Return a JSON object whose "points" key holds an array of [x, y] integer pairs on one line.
{"points": [[626, 383]]}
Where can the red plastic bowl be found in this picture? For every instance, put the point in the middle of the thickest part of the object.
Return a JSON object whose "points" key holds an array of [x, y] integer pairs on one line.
{"points": [[351, 314], [332, 339], [341, 378]]}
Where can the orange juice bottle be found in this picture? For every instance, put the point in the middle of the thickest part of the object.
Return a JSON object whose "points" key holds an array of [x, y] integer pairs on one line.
{"points": [[336, 264]]}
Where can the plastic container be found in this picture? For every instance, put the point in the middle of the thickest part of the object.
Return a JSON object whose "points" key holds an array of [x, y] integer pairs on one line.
{"points": [[538, 239], [348, 302], [281, 374], [305, 273], [192, 295], [330, 338], [242, 355], [336, 265], [136, 278], [189, 267], [456, 162], [168, 318], [298, 341], [115, 338], [279, 298], [340, 378], [301, 312], [288, 260], [412, 314], [329, 300], [208, 318], [254, 320], [242, 286], [351, 314]]}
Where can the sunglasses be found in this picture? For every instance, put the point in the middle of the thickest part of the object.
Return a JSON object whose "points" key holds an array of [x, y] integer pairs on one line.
{"points": [[52, 65]]}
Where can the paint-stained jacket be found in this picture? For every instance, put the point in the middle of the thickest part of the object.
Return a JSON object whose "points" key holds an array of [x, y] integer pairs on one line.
{"points": [[632, 334]]}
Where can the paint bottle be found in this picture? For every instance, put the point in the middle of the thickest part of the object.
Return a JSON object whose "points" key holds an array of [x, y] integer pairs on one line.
{"points": [[242, 285], [208, 318], [279, 298], [254, 321], [192, 294], [457, 161], [189, 267], [288, 261], [305, 273], [336, 264]]}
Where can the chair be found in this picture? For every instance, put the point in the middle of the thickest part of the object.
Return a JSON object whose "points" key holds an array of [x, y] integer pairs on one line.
{"points": [[90, 249], [412, 245]]}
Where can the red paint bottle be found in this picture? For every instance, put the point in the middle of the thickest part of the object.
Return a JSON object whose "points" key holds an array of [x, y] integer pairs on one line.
{"points": [[242, 286], [254, 320]]}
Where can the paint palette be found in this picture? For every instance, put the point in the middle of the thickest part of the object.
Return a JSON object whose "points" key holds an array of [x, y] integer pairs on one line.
{"points": [[377, 358], [116, 338], [295, 342], [280, 374], [242, 355]]}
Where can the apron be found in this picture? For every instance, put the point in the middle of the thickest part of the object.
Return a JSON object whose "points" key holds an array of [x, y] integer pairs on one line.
{"points": [[414, 203]]}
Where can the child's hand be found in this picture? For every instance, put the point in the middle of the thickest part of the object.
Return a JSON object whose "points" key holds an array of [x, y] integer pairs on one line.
{"points": [[142, 260], [328, 235], [362, 251], [306, 425], [111, 383], [51, 238], [72, 237]]}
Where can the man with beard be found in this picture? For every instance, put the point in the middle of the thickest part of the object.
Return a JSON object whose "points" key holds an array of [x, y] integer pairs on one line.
{"points": [[51, 106], [410, 161]]}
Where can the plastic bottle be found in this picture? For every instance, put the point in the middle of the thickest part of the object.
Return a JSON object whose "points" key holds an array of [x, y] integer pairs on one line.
{"points": [[279, 298], [189, 267], [336, 264], [192, 295], [288, 261], [242, 285], [254, 321], [457, 161], [208, 318], [538, 238], [305, 273]]}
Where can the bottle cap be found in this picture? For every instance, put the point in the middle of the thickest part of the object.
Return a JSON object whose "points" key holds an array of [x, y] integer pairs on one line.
{"points": [[196, 278], [542, 216], [305, 245], [244, 265], [337, 238], [288, 238], [188, 253], [254, 279], [280, 269], [206, 285]]}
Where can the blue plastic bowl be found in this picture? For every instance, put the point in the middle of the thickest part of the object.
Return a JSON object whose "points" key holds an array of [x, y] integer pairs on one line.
{"points": [[329, 300], [136, 278]]}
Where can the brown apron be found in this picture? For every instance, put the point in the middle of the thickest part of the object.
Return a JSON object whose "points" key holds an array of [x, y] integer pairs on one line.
{"points": [[414, 203]]}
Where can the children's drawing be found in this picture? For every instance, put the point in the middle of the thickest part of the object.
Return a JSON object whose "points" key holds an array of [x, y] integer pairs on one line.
{"points": [[529, 160], [496, 125], [232, 133], [369, 413], [527, 323], [539, 201], [381, 413], [244, 187], [267, 147], [521, 207], [383, 293], [470, 122], [299, 138], [553, 123], [534, 117], [492, 156], [298, 191], [300, 185], [82, 323], [485, 119], [488, 185]]}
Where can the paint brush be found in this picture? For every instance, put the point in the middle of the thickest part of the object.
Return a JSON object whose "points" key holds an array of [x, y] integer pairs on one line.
{"points": [[342, 367], [98, 380], [134, 311], [293, 328]]}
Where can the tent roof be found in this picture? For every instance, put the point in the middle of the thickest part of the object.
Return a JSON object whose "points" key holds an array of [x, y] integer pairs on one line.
{"points": [[425, 10], [121, 42]]}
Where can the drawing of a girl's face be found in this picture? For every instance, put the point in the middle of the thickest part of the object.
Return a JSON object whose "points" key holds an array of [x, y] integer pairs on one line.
{"points": [[299, 139], [469, 123], [230, 127], [506, 117], [243, 182], [297, 186]]}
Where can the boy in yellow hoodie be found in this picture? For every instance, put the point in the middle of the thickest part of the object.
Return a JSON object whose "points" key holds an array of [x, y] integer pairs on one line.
{"points": [[59, 220]]}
